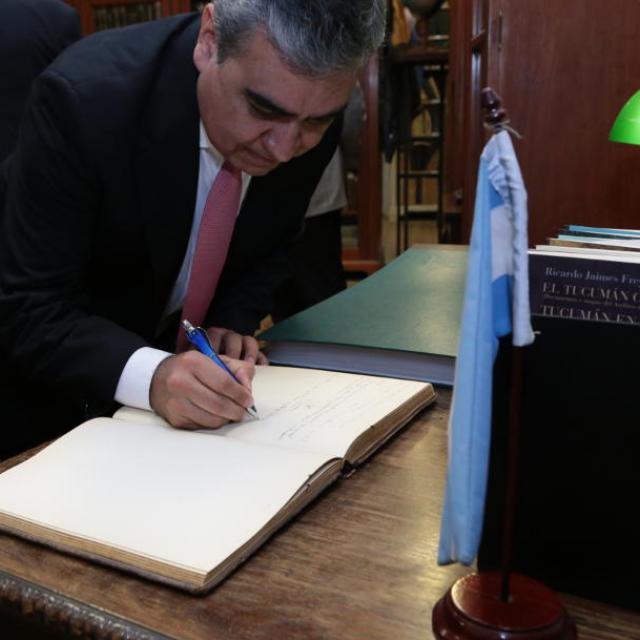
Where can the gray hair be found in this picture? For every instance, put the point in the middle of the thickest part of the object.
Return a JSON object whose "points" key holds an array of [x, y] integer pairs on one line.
{"points": [[313, 37]]}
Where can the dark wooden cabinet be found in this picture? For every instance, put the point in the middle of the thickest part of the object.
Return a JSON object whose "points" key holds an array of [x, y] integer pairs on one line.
{"points": [[563, 71], [365, 254]]}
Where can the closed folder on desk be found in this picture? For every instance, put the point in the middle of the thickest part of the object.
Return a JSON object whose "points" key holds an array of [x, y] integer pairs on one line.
{"points": [[402, 321]]}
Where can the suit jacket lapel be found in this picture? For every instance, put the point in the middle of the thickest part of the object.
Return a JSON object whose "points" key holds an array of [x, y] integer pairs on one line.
{"points": [[168, 160]]}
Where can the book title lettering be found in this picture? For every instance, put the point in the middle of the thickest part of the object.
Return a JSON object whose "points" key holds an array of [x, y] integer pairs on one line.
{"points": [[592, 293], [553, 311], [600, 292], [578, 280], [577, 274]]}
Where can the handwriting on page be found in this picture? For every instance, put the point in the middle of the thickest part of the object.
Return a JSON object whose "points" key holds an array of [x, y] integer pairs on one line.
{"points": [[323, 415], [323, 407]]}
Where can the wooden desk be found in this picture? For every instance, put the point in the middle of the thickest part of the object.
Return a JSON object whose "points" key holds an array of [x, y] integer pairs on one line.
{"points": [[358, 563]]}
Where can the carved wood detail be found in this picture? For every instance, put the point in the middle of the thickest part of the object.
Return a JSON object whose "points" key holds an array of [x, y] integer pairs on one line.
{"points": [[65, 615]]}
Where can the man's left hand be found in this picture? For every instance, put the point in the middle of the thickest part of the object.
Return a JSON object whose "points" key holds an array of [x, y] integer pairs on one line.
{"points": [[234, 345]]}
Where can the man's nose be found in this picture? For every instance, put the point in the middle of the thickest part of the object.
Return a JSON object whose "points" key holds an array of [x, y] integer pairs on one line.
{"points": [[283, 140]]}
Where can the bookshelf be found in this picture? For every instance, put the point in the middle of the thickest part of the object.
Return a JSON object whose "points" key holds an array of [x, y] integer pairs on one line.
{"points": [[96, 15], [422, 154]]}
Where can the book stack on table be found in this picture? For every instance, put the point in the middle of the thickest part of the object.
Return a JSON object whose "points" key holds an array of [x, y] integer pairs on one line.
{"points": [[578, 437], [587, 273]]}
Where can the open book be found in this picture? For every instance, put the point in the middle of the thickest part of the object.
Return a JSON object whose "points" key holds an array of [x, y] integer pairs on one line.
{"points": [[187, 507]]}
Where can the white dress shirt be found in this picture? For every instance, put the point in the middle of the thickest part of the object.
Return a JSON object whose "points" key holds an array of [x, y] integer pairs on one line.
{"points": [[330, 193], [135, 380]]}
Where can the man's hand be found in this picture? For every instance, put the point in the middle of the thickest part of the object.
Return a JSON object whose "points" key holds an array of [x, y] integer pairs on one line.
{"points": [[190, 391], [234, 345]]}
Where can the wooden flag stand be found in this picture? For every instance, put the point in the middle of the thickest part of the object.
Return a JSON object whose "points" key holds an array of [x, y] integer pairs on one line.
{"points": [[502, 605]]}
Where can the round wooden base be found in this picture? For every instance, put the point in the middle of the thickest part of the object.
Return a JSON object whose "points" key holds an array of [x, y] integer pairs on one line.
{"points": [[472, 610]]}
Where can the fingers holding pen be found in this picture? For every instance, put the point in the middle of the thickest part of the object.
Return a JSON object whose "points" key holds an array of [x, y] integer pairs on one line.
{"points": [[190, 391], [241, 369]]}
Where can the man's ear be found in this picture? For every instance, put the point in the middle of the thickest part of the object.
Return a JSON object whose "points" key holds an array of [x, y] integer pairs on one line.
{"points": [[206, 46]]}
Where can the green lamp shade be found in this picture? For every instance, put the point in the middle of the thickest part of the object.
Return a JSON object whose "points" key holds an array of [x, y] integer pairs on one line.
{"points": [[626, 128]]}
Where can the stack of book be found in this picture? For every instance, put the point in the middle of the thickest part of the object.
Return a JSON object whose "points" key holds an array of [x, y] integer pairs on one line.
{"points": [[578, 438], [587, 273]]}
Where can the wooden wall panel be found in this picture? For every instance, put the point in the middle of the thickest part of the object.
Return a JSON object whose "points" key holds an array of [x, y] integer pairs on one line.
{"points": [[563, 70], [469, 63]]}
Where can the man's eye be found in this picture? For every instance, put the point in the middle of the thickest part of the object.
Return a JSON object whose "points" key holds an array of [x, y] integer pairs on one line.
{"points": [[320, 122], [262, 112]]}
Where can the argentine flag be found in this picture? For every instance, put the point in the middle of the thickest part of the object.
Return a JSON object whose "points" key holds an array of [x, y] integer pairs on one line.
{"points": [[496, 303]]}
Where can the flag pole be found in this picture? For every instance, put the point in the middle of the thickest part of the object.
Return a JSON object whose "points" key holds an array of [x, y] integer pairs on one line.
{"points": [[503, 605], [515, 411], [494, 118]]}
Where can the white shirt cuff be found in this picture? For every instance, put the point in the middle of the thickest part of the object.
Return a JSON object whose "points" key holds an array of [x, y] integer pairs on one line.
{"points": [[135, 380]]}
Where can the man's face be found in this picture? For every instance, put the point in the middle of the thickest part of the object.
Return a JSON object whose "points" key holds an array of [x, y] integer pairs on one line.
{"points": [[255, 110]]}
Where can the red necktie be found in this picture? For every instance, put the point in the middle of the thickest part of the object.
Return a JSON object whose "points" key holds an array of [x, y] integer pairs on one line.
{"points": [[214, 236]]}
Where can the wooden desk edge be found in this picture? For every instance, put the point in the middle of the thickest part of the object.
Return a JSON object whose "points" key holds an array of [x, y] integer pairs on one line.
{"points": [[66, 615]]}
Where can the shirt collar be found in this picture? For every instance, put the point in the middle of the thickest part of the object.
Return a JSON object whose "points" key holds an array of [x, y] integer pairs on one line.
{"points": [[205, 144]]}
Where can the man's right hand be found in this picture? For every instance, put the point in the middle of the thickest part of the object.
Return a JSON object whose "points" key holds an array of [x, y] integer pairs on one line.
{"points": [[190, 391]]}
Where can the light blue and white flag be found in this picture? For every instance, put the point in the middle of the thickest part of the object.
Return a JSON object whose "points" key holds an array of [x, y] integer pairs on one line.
{"points": [[496, 303]]}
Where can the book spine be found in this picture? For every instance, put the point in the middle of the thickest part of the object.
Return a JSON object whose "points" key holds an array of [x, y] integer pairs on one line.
{"points": [[98, 18], [602, 235], [604, 232], [585, 244], [584, 289]]}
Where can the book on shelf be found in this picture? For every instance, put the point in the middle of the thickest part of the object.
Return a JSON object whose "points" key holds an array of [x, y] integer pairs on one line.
{"points": [[187, 507], [402, 321], [585, 283], [109, 16]]}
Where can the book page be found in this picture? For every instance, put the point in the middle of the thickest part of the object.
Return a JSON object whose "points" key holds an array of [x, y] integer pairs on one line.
{"points": [[605, 242], [310, 409], [178, 496]]}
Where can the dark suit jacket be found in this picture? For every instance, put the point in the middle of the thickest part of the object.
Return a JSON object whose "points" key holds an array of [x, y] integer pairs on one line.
{"points": [[32, 34], [100, 197]]}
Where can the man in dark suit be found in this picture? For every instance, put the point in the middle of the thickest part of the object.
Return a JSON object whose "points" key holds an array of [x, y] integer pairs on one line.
{"points": [[32, 34], [123, 137]]}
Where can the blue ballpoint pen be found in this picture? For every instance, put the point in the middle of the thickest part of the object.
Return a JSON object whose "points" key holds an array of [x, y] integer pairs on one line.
{"points": [[200, 340]]}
